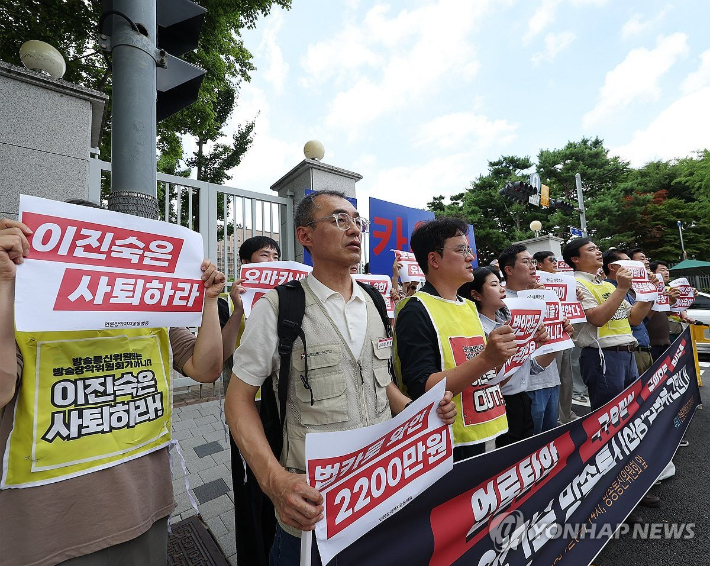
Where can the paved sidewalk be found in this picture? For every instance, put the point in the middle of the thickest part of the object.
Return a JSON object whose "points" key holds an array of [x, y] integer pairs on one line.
{"points": [[198, 429]]}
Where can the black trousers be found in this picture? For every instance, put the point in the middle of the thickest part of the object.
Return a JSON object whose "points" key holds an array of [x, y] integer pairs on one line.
{"points": [[520, 422]]}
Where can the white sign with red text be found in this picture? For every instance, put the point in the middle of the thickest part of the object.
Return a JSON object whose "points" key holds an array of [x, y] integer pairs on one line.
{"points": [[562, 266], [566, 289], [260, 278], [558, 339], [646, 291], [662, 303], [383, 284], [92, 269], [687, 294], [526, 316], [368, 474], [410, 268]]}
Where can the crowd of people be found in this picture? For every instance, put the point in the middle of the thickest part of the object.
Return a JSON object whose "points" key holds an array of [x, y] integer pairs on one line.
{"points": [[346, 370]]}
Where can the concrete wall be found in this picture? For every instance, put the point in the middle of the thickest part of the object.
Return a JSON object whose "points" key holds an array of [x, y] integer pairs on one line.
{"points": [[48, 128]]}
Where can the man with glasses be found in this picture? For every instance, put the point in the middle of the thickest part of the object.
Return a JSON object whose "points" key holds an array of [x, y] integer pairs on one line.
{"points": [[439, 335], [532, 393], [348, 384]]}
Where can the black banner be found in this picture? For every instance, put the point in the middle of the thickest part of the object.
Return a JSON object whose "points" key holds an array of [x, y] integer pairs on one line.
{"points": [[555, 498]]}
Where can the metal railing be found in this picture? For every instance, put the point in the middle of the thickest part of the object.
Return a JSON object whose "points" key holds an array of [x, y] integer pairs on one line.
{"points": [[225, 216]]}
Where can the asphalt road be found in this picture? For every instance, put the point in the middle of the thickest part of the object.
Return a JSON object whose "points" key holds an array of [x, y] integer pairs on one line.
{"points": [[685, 498]]}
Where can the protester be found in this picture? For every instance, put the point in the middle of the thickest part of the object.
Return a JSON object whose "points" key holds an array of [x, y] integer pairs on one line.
{"points": [[254, 524], [657, 324], [438, 334], [638, 328], [115, 515], [538, 379], [398, 291], [547, 261], [637, 254], [348, 382]]}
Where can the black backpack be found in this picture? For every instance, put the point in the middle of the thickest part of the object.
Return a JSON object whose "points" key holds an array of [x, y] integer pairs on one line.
{"points": [[292, 307]]}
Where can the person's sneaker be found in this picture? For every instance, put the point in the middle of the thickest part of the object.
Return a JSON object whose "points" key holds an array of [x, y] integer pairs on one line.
{"points": [[580, 398], [684, 443], [634, 519], [650, 500]]}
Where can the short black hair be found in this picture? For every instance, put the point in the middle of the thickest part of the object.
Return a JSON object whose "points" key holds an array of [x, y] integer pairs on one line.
{"points": [[610, 256], [430, 237], [542, 256], [572, 250], [254, 244], [654, 265], [306, 209], [631, 253], [508, 256]]}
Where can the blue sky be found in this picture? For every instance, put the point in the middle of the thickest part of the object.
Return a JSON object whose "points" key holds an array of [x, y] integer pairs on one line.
{"points": [[417, 96]]}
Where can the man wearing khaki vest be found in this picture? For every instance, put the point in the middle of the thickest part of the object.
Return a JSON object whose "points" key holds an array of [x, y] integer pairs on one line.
{"points": [[349, 385]]}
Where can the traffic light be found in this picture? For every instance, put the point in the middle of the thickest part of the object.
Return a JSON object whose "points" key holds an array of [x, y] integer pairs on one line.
{"points": [[558, 204], [517, 190], [178, 82]]}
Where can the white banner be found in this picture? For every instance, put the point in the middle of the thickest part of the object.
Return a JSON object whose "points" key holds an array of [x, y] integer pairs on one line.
{"points": [[92, 269], [562, 266], [526, 316], [260, 278], [646, 291], [559, 339], [383, 284], [662, 303], [565, 287], [410, 268], [687, 294], [368, 474]]}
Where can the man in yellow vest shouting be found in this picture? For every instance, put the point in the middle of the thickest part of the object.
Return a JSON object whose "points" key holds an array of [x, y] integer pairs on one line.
{"points": [[607, 360], [438, 334]]}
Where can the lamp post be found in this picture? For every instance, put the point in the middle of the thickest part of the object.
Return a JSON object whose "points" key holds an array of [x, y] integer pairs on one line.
{"points": [[682, 245], [536, 226]]}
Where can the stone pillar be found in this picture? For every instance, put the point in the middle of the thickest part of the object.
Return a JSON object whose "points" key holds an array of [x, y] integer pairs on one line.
{"points": [[48, 129], [544, 243], [317, 176]]}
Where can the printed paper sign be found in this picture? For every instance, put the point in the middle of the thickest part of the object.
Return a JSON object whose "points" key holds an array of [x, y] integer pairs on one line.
{"points": [[109, 270], [662, 303], [383, 284], [687, 294], [410, 268], [260, 278], [646, 291], [526, 315], [559, 339], [368, 474], [566, 289], [562, 266]]}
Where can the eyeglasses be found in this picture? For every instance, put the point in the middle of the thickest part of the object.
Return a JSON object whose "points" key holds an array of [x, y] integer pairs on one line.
{"points": [[344, 221], [465, 251], [529, 262]]}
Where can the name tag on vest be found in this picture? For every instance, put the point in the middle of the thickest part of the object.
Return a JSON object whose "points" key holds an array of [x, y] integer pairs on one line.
{"points": [[384, 343]]}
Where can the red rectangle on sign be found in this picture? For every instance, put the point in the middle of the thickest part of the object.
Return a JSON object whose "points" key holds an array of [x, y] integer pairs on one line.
{"points": [[76, 241], [86, 290]]}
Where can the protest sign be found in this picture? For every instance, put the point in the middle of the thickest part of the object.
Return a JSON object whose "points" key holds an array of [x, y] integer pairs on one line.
{"points": [[526, 316], [90, 400], [106, 269], [555, 498], [259, 278], [410, 268], [566, 289], [662, 303], [687, 294], [383, 284], [369, 474], [558, 339], [646, 291], [562, 267]]}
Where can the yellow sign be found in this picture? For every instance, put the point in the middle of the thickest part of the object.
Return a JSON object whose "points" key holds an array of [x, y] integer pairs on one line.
{"points": [[88, 400], [544, 196]]}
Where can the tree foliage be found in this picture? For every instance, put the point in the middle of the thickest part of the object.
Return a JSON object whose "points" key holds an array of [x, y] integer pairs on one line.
{"points": [[625, 207]]}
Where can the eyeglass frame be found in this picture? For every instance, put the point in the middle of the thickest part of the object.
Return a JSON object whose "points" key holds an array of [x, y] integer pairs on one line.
{"points": [[351, 222], [529, 261], [464, 251]]}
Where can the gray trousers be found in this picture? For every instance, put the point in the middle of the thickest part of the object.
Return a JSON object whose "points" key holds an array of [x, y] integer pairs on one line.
{"points": [[579, 388], [564, 367]]}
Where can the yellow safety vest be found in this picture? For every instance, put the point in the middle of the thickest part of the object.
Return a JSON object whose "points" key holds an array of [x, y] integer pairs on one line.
{"points": [[619, 323], [88, 400], [480, 408]]}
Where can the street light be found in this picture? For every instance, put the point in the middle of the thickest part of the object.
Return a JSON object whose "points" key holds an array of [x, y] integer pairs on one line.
{"points": [[682, 245], [536, 226]]}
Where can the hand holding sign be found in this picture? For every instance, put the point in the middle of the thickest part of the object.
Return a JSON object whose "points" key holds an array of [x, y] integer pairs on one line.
{"points": [[14, 246], [500, 345], [298, 504]]}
